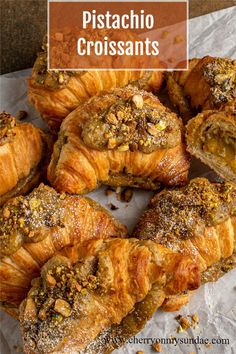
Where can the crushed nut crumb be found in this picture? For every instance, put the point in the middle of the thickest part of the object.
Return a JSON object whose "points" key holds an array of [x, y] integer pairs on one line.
{"points": [[157, 347]]}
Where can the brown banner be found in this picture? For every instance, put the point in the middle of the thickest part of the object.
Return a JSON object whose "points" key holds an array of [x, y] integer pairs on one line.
{"points": [[117, 35]]}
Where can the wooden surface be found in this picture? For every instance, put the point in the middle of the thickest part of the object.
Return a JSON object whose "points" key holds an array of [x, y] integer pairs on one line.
{"points": [[23, 24], [203, 7]]}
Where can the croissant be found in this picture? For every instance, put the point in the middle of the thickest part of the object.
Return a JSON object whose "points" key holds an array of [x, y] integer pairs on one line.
{"points": [[34, 227], [197, 220], [211, 136], [122, 138], [56, 94], [72, 303], [23, 150], [210, 83]]}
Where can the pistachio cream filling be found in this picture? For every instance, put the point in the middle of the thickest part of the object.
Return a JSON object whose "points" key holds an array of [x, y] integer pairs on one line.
{"points": [[7, 125], [222, 146], [221, 76], [133, 125]]}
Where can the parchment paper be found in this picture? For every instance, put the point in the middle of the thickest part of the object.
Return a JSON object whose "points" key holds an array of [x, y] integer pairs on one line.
{"points": [[215, 303]]}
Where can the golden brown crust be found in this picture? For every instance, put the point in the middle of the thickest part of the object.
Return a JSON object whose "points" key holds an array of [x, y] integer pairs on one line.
{"points": [[23, 150], [33, 228], [110, 278], [55, 95], [211, 137], [210, 83], [199, 220], [77, 168]]}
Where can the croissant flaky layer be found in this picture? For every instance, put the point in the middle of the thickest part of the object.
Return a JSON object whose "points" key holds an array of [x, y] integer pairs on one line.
{"points": [[23, 150], [211, 136], [69, 306], [210, 83], [35, 227], [122, 138], [56, 94], [197, 220]]}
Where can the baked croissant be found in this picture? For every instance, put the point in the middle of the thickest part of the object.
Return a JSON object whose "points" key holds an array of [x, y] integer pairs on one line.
{"points": [[211, 136], [23, 150], [210, 83], [122, 138], [71, 304], [197, 220], [34, 227], [56, 94]]}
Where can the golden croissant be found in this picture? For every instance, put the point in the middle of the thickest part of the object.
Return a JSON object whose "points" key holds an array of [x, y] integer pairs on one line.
{"points": [[56, 94], [197, 220], [34, 227], [72, 303], [210, 83], [23, 150], [211, 136], [122, 138]]}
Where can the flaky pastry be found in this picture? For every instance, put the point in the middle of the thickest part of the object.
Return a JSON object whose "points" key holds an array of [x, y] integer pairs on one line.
{"points": [[72, 303], [211, 137], [23, 155], [197, 220], [210, 83], [35, 227], [56, 93], [122, 138]]}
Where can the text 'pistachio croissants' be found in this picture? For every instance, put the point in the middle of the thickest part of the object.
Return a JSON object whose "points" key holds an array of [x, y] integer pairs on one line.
{"points": [[56, 93], [23, 152], [210, 83], [211, 136], [122, 138], [197, 220], [34, 227], [71, 304]]}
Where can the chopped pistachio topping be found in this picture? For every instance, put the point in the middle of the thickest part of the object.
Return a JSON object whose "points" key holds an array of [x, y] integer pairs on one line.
{"points": [[22, 217], [221, 76], [7, 125], [132, 124], [58, 295], [184, 213]]}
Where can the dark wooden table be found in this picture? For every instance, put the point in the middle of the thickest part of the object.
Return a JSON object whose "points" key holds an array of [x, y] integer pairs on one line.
{"points": [[23, 25]]}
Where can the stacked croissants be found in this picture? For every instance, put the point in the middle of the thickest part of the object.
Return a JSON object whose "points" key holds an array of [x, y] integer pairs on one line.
{"points": [[69, 271]]}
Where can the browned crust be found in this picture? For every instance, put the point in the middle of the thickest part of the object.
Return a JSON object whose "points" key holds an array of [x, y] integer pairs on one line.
{"points": [[76, 168], [55, 105], [83, 219], [213, 245], [126, 271]]}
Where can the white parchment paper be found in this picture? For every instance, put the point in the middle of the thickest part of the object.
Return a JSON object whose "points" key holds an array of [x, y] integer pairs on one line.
{"points": [[215, 303]]}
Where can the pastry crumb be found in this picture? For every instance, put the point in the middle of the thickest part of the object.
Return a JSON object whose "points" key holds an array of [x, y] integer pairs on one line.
{"points": [[208, 345], [140, 352], [195, 318], [21, 115], [179, 329], [157, 347], [109, 191], [185, 324], [112, 206], [126, 195]]}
